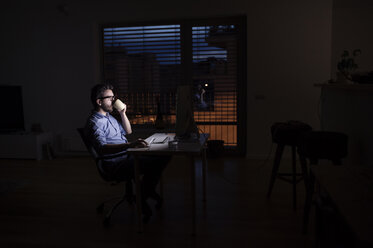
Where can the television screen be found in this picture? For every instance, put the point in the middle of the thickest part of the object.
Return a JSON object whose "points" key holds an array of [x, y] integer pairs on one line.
{"points": [[12, 106]]}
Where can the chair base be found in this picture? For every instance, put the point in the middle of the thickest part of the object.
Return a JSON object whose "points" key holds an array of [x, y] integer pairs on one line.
{"points": [[128, 196], [100, 208]]}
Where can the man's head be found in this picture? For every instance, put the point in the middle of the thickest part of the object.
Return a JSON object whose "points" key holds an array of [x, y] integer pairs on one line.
{"points": [[102, 97]]}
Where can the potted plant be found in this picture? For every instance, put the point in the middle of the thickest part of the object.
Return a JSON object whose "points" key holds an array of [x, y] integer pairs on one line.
{"points": [[347, 65]]}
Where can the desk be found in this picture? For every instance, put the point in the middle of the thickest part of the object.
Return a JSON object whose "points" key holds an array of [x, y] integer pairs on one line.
{"points": [[350, 191], [187, 148]]}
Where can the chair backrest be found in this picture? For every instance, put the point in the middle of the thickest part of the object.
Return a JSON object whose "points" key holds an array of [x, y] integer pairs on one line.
{"points": [[94, 154]]}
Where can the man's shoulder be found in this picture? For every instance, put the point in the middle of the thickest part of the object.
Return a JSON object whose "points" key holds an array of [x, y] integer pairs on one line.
{"points": [[93, 120], [96, 117], [95, 114]]}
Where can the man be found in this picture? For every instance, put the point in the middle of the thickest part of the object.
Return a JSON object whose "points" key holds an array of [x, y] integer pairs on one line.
{"points": [[108, 136]]}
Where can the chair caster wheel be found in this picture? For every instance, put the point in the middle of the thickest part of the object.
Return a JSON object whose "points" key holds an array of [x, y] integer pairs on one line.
{"points": [[100, 209]]}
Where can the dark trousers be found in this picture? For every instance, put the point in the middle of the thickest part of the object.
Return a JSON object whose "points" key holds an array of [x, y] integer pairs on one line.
{"points": [[151, 167]]}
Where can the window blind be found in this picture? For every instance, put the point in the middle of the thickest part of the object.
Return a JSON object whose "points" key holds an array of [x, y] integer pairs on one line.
{"points": [[143, 63], [215, 70], [147, 63]]}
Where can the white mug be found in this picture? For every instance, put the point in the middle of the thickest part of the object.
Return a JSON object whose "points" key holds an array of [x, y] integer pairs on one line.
{"points": [[119, 105]]}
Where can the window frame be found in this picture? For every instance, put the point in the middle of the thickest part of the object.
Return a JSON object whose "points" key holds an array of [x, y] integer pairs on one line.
{"points": [[187, 62]]}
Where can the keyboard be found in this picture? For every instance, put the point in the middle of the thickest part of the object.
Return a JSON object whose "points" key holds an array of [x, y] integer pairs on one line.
{"points": [[159, 138]]}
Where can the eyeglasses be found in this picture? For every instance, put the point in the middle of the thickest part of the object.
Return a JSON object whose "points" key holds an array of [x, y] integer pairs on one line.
{"points": [[105, 97]]}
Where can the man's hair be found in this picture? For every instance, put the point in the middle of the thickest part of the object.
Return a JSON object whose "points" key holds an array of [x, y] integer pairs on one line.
{"points": [[98, 91]]}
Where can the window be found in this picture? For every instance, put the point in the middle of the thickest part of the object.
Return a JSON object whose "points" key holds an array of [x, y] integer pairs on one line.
{"points": [[147, 62]]}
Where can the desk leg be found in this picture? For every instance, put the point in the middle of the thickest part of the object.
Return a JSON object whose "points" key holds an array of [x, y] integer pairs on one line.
{"points": [[138, 193], [204, 165], [193, 191], [161, 186]]}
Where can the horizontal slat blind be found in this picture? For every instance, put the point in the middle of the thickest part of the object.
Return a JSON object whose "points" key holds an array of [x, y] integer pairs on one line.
{"points": [[215, 70], [143, 63]]}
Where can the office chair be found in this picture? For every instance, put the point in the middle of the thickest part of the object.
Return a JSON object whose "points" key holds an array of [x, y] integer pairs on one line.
{"points": [[316, 145], [128, 192]]}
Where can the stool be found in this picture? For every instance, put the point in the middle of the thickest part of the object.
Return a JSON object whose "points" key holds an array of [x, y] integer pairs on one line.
{"points": [[287, 134], [316, 145]]}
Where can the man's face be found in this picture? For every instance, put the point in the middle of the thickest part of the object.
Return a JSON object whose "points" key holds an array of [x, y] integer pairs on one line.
{"points": [[106, 101]]}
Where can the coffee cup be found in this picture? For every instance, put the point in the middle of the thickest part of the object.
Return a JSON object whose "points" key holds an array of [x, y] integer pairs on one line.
{"points": [[119, 105]]}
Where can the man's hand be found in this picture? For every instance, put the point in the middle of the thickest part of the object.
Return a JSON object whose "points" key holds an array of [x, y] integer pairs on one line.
{"points": [[124, 109], [115, 148], [139, 143], [125, 122]]}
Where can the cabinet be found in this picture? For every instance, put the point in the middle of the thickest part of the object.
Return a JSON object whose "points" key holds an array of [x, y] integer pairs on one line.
{"points": [[25, 145], [348, 109]]}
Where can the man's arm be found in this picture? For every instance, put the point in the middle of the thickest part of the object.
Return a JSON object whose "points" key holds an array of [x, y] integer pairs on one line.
{"points": [[116, 148], [125, 122]]}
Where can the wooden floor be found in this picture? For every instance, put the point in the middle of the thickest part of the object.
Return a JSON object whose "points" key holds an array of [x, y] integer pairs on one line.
{"points": [[53, 204]]}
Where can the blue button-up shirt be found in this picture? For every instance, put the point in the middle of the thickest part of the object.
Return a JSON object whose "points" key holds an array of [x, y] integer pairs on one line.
{"points": [[104, 130]]}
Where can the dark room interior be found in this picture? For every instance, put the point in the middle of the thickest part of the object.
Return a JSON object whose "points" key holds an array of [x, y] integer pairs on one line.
{"points": [[259, 72]]}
